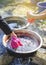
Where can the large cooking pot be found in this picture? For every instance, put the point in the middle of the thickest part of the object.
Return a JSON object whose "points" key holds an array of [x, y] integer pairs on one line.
{"points": [[24, 34], [16, 22]]}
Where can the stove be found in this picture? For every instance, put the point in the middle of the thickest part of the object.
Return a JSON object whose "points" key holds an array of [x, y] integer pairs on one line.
{"points": [[22, 61]]}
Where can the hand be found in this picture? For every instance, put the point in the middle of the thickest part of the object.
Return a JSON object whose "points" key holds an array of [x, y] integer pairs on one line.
{"points": [[10, 35], [13, 34], [39, 16]]}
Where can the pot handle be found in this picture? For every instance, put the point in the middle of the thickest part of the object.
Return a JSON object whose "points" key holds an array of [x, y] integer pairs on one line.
{"points": [[4, 26]]}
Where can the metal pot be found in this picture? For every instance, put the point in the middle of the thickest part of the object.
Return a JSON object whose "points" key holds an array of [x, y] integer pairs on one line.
{"points": [[42, 6], [28, 53], [17, 22]]}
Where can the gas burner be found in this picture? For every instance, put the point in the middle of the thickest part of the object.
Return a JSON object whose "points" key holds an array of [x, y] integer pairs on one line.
{"points": [[22, 61]]}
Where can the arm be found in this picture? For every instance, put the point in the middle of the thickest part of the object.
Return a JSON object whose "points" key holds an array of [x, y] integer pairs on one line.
{"points": [[6, 29], [4, 26], [41, 15]]}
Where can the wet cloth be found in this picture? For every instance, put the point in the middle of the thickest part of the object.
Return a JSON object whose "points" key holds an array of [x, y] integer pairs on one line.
{"points": [[15, 42]]}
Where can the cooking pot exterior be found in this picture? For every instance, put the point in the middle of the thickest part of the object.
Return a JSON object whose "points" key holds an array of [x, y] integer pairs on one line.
{"points": [[25, 54]]}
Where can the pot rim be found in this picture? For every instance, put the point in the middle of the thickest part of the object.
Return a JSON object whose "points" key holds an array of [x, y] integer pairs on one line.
{"points": [[24, 19], [27, 51]]}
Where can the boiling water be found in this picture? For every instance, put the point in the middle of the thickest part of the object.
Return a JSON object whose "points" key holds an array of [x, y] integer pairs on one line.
{"points": [[29, 44]]}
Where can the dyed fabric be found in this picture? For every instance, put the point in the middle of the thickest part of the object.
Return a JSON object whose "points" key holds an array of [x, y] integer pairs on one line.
{"points": [[15, 42]]}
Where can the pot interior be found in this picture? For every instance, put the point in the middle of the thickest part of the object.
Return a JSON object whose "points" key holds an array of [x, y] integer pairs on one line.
{"points": [[31, 42], [16, 22]]}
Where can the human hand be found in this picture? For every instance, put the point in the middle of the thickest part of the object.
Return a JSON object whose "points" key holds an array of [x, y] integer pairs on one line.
{"points": [[13, 34], [32, 16], [10, 35]]}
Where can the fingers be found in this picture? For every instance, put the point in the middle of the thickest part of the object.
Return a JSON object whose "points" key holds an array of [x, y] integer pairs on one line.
{"points": [[13, 34]]}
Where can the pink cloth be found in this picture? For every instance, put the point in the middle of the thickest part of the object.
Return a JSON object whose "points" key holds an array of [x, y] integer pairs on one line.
{"points": [[15, 42]]}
